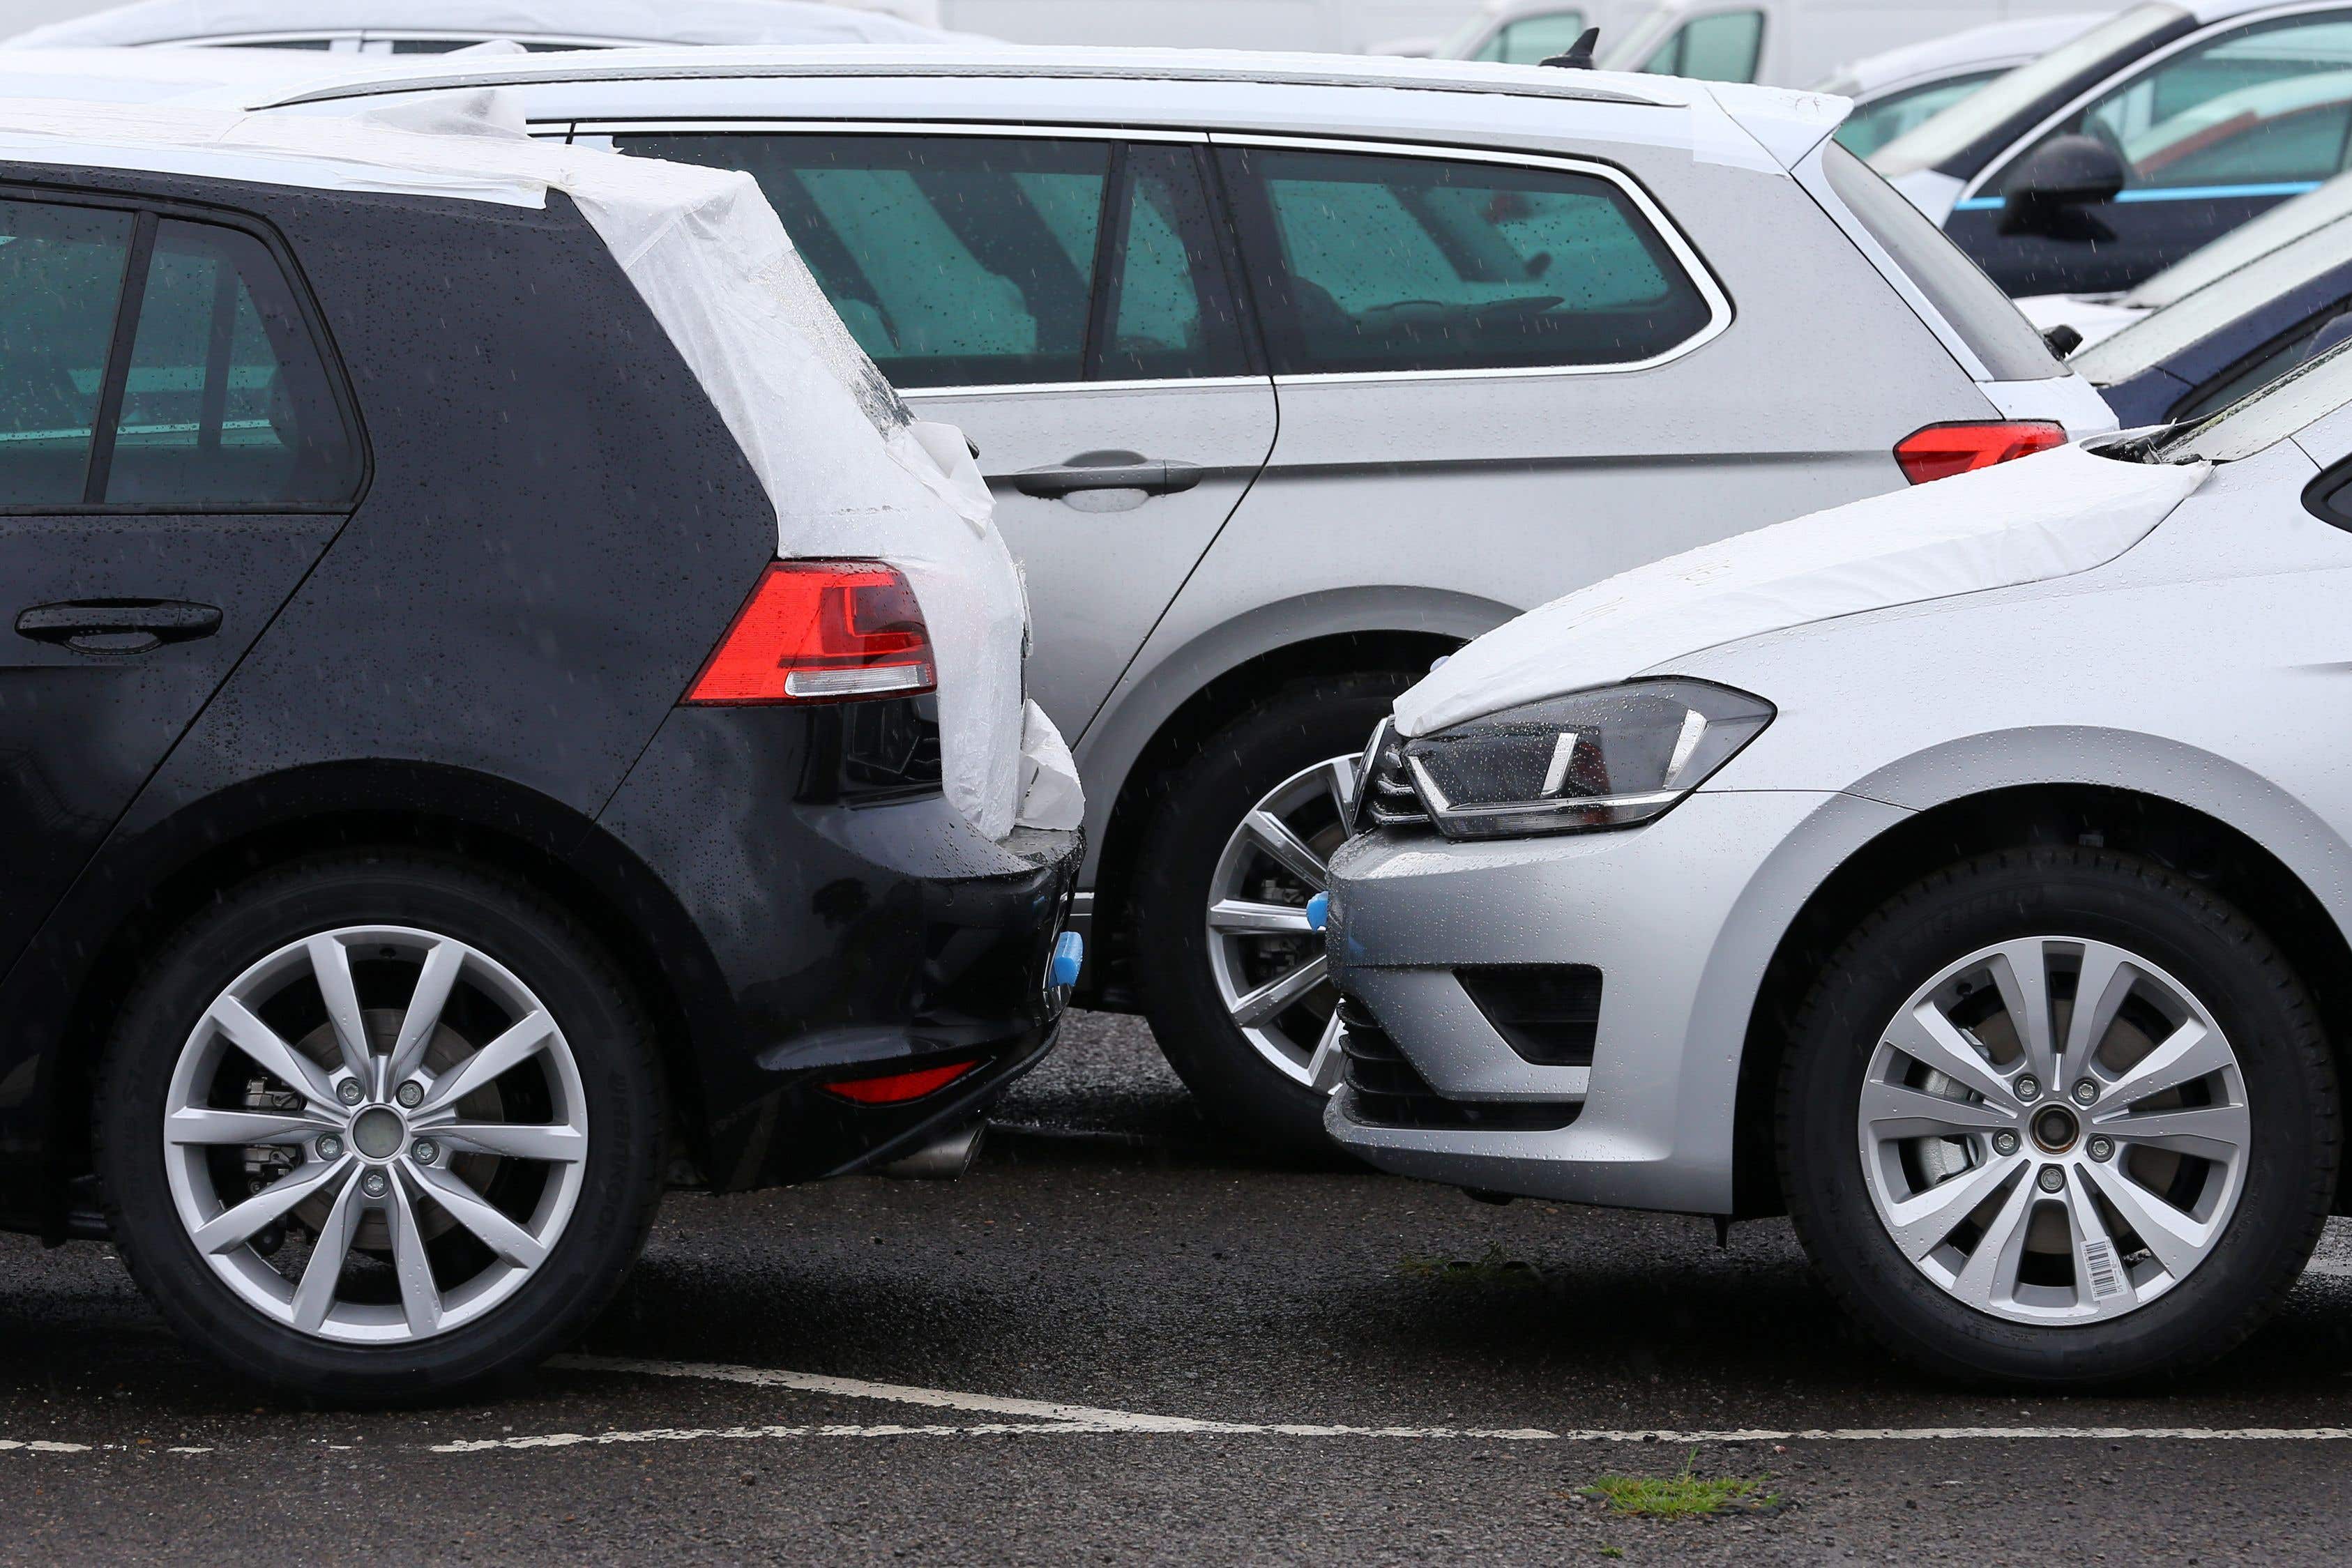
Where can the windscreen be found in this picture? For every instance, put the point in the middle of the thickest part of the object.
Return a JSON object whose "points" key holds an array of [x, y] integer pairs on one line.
{"points": [[1973, 305], [1960, 126], [2156, 337], [2306, 394], [2282, 225]]}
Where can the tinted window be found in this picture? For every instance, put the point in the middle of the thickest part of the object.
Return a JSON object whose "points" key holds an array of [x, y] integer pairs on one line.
{"points": [[319, 44], [1372, 263], [2312, 338], [968, 261], [60, 283], [1958, 289], [1531, 40], [226, 404], [1881, 120], [1721, 47], [2263, 105]]}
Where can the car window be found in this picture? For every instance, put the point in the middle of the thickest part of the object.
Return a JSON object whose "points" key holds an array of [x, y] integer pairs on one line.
{"points": [[2310, 392], [973, 261], [1970, 302], [60, 283], [2158, 336], [2271, 362], [226, 403], [2121, 37], [1881, 120], [2265, 105], [1531, 40], [1373, 263], [1724, 46]]}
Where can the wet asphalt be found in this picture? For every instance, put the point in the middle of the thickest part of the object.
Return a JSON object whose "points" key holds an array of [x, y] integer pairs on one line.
{"points": [[1111, 1251]]}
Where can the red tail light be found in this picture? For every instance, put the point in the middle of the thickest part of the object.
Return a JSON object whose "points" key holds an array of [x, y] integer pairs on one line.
{"points": [[1940, 451], [898, 1088], [821, 631]]}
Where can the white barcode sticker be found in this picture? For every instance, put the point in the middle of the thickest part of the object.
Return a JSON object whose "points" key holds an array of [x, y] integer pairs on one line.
{"points": [[2107, 1280]]}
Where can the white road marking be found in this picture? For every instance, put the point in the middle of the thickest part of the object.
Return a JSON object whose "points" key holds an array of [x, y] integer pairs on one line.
{"points": [[1050, 1417], [41, 1446]]}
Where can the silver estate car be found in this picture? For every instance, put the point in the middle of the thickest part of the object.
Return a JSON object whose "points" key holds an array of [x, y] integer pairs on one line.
{"points": [[1292, 373]]}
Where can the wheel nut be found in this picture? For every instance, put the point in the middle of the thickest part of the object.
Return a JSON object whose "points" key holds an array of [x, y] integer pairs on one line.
{"points": [[2101, 1148], [426, 1152], [348, 1092], [2004, 1143], [374, 1185], [330, 1147], [411, 1095], [2052, 1178], [2086, 1092], [2028, 1087]]}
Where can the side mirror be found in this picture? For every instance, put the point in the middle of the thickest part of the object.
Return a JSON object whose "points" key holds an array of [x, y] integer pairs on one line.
{"points": [[2045, 192]]}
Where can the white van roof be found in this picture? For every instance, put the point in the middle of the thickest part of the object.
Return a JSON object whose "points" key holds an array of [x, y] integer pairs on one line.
{"points": [[619, 21]]}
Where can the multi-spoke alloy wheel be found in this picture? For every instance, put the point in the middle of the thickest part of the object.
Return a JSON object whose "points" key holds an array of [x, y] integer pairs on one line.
{"points": [[2058, 1115], [1269, 967], [379, 1125], [2054, 1130], [375, 1135]]}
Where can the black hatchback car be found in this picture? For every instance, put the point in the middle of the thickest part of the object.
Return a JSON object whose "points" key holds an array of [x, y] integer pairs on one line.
{"points": [[430, 814]]}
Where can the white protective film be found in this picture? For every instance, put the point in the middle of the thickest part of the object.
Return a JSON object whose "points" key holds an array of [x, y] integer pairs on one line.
{"points": [[850, 473], [668, 22], [2043, 516]]}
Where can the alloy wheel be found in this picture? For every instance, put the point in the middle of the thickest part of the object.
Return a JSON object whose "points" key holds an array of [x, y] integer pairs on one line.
{"points": [[1268, 964], [375, 1135], [2055, 1131]]}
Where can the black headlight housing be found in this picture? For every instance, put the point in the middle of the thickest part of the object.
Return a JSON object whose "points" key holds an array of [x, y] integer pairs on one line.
{"points": [[1614, 756]]}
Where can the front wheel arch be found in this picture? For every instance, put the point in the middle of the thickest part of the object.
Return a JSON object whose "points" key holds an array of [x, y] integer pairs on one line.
{"points": [[2200, 847]]}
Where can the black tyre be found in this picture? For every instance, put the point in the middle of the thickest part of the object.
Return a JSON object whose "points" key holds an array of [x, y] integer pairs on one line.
{"points": [[379, 1128], [1242, 1011], [2126, 1188]]}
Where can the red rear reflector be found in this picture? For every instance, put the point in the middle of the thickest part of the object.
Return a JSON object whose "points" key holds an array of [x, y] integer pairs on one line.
{"points": [[1940, 451], [901, 1087], [821, 631]]}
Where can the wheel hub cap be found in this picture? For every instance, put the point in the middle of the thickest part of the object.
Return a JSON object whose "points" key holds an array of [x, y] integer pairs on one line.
{"points": [[2039, 1210], [379, 1133]]}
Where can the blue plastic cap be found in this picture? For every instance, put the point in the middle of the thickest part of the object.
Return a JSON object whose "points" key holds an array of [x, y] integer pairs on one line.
{"points": [[1318, 911], [1069, 957]]}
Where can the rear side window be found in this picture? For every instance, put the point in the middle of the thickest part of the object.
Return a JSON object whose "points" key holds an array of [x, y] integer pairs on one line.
{"points": [[983, 261], [1721, 47], [155, 363], [1881, 120], [226, 403], [1365, 262], [1956, 286], [60, 285]]}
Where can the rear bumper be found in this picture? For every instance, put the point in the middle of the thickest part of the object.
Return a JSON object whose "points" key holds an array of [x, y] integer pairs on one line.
{"points": [[815, 941]]}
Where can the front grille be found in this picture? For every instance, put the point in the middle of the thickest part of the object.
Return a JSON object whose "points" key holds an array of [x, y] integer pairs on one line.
{"points": [[1385, 1091], [1549, 1013]]}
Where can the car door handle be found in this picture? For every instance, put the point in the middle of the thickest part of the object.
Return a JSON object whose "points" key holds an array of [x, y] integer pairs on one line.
{"points": [[117, 625], [1108, 471]]}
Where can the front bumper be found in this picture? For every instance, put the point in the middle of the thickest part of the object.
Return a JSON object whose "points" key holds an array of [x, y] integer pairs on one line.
{"points": [[818, 941], [1680, 917]]}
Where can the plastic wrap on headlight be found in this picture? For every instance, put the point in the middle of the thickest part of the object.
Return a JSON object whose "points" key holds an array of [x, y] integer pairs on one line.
{"points": [[1606, 759]]}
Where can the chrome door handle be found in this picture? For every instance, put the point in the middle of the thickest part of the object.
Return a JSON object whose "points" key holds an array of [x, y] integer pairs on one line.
{"points": [[1108, 471], [117, 625]]}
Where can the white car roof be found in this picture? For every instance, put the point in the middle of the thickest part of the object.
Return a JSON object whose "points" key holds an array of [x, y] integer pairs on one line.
{"points": [[1162, 86], [634, 21], [150, 75], [1974, 48]]}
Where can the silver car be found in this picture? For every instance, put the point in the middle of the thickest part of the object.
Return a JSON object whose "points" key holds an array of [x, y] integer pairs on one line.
{"points": [[1293, 373]]}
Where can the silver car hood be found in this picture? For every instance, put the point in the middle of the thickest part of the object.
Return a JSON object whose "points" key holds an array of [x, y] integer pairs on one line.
{"points": [[2043, 516]]}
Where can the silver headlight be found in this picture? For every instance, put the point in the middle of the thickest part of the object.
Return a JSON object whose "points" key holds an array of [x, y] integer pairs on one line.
{"points": [[1604, 758]]}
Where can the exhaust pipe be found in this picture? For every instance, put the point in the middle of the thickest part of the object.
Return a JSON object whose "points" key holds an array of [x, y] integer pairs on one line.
{"points": [[944, 1159]]}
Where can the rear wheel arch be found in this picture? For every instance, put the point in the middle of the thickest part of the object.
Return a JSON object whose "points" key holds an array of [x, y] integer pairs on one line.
{"points": [[1207, 708], [2180, 838], [535, 841]]}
